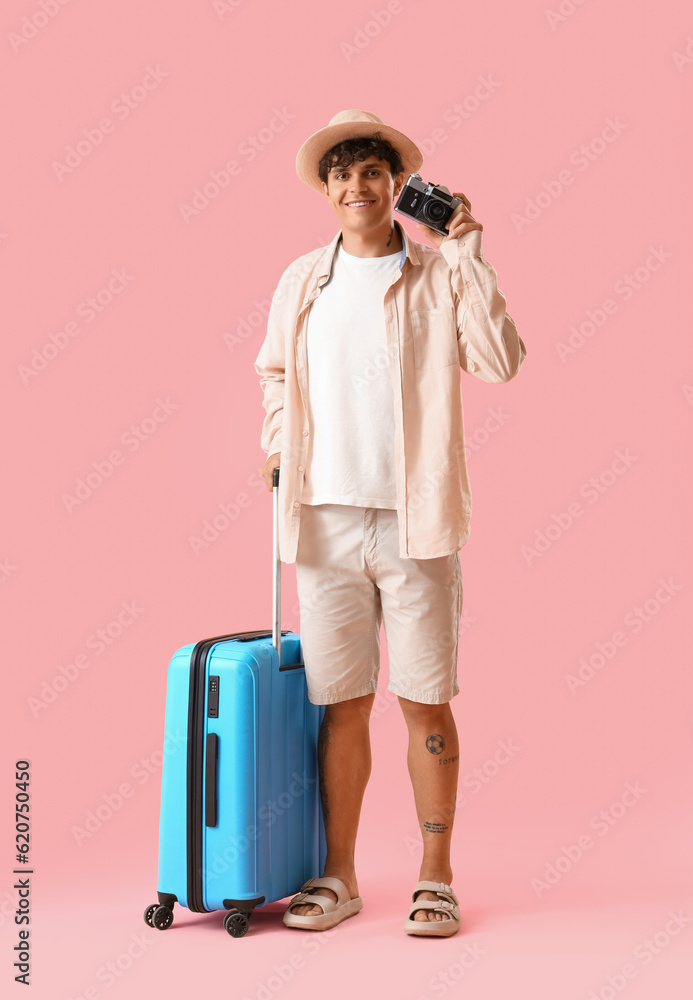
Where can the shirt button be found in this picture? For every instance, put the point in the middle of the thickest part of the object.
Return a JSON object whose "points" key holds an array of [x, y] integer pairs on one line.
{"points": [[296, 504], [305, 433], [300, 468]]}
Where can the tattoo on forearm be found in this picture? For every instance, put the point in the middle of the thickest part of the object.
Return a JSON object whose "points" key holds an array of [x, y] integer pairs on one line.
{"points": [[435, 743], [435, 827], [323, 743]]}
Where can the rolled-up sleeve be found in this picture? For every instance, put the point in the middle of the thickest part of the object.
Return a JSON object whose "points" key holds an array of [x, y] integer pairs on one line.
{"points": [[270, 365], [489, 345]]}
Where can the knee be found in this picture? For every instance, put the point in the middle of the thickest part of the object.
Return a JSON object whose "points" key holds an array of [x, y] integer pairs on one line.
{"points": [[421, 715], [352, 712]]}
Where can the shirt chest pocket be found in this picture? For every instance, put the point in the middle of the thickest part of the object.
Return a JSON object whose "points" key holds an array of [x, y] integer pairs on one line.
{"points": [[434, 337]]}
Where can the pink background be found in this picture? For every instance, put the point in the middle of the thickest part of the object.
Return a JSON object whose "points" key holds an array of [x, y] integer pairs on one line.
{"points": [[185, 326]]}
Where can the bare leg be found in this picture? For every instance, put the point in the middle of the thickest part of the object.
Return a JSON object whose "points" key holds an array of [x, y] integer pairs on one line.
{"points": [[344, 759], [433, 761]]}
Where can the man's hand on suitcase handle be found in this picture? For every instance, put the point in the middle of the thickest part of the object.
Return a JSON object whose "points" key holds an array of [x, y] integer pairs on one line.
{"points": [[268, 468]]}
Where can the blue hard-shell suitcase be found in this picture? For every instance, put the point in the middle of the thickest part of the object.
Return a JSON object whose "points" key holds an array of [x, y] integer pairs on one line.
{"points": [[241, 821]]}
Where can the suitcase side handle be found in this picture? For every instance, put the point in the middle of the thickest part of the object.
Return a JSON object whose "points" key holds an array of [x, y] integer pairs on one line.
{"points": [[212, 756]]}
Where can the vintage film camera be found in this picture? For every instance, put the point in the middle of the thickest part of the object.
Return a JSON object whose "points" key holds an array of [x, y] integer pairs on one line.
{"points": [[431, 204]]}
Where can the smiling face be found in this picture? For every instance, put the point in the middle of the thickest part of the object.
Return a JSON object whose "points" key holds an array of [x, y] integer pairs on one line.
{"points": [[362, 194]]}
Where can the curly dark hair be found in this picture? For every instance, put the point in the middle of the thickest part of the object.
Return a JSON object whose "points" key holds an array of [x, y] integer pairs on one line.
{"points": [[360, 148]]}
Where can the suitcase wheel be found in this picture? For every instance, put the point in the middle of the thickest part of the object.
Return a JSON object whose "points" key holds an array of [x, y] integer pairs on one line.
{"points": [[236, 923], [162, 918], [149, 914]]}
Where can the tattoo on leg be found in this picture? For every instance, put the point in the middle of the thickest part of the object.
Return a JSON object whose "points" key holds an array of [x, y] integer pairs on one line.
{"points": [[435, 743], [435, 827], [323, 743], [450, 760]]}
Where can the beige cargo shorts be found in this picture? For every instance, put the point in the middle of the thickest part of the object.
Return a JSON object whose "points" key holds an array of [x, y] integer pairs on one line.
{"points": [[350, 580]]}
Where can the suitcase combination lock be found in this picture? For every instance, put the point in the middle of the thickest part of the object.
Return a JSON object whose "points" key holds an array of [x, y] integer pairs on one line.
{"points": [[213, 698]]}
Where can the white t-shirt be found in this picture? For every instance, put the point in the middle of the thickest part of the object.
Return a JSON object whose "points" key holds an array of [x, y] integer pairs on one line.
{"points": [[351, 403]]}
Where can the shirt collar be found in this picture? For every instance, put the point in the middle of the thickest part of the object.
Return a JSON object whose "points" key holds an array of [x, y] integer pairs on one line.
{"points": [[408, 250]]}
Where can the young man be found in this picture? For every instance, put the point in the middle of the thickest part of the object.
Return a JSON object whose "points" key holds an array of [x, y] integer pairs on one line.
{"points": [[360, 373]]}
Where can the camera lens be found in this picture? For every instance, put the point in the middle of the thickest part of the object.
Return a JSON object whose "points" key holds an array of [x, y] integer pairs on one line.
{"points": [[435, 211]]}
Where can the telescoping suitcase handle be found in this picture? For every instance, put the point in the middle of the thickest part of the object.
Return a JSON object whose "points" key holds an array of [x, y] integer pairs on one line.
{"points": [[276, 581], [277, 570]]}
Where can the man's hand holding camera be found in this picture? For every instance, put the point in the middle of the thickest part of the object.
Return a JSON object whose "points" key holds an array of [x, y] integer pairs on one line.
{"points": [[461, 221], [449, 213]]}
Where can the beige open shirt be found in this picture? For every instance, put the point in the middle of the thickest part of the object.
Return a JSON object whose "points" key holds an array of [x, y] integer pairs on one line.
{"points": [[443, 311]]}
